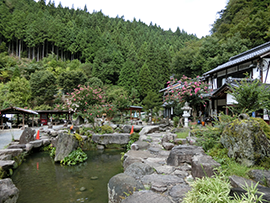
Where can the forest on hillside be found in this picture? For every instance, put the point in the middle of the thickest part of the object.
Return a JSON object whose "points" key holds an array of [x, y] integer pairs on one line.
{"points": [[47, 50]]}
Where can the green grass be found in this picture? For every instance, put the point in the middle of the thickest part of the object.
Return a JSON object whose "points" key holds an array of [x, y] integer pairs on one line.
{"points": [[182, 134]]}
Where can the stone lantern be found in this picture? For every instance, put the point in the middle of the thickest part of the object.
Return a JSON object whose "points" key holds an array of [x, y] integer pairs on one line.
{"points": [[186, 114]]}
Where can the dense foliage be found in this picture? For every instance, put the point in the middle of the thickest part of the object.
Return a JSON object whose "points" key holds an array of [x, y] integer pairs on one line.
{"points": [[110, 49], [250, 96]]}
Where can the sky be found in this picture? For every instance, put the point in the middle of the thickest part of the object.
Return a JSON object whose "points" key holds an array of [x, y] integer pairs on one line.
{"points": [[193, 16]]}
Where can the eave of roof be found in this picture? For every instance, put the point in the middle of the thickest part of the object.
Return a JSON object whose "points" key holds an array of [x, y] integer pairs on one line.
{"points": [[17, 110], [245, 56]]}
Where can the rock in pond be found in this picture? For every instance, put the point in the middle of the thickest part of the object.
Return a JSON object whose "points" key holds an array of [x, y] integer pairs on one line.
{"points": [[8, 191], [116, 138], [27, 136], [146, 196], [66, 143], [120, 185]]}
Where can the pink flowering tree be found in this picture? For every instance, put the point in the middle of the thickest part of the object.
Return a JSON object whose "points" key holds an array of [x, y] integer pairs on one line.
{"points": [[90, 103], [187, 90]]}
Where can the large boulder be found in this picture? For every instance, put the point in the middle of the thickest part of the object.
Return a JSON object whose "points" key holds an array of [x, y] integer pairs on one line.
{"points": [[146, 196], [138, 169], [262, 176], [27, 136], [246, 140], [79, 121], [10, 154], [133, 156], [116, 138], [66, 143], [148, 129], [6, 164], [161, 183], [203, 165], [8, 191], [120, 186], [140, 145], [178, 192], [183, 154], [239, 183], [136, 128]]}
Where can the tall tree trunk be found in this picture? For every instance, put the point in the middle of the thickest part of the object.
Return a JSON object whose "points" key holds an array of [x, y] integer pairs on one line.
{"points": [[9, 47], [38, 53], [12, 47], [57, 52], [43, 49], [33, 55], [47, 48], [72, 57], [52, 48], [19, 49], [62, 55], [29, 53]]}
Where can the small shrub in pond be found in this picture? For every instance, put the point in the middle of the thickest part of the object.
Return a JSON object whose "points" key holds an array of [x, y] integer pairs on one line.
{"points": [[52, 152], [75, 157]]}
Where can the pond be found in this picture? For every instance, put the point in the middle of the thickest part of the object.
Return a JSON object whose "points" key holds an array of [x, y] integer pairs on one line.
{"points": [[40, 180]]}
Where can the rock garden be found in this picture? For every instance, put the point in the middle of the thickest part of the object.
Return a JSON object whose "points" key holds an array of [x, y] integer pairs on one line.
{"points": [[162, 163]]}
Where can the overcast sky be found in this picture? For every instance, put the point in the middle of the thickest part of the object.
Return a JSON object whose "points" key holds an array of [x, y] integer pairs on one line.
{"points": [[194, 16]]}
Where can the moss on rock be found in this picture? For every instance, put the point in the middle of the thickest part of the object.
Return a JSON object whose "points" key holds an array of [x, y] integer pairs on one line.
{"points": [[247, 140]]}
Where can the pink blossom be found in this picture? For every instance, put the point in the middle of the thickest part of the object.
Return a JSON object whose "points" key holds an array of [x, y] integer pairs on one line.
{"points": [[190, 94], [196, 90], [74, 99]]}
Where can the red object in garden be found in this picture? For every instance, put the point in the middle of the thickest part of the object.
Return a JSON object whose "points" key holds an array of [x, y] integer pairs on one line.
{"points": [[37, 137], [132, 130]]}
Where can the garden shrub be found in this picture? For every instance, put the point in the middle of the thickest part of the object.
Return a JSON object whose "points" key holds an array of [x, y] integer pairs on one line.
{"points": [[106, 129], [216, 190], [133, 138], [209, 138], [176, 120]]}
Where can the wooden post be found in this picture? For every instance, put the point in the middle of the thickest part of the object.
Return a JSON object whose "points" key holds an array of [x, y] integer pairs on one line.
{"points": [[23, 120], [33, 120]]}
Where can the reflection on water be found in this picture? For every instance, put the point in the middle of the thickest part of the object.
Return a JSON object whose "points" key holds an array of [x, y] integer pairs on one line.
{"points": [[40, 180]]}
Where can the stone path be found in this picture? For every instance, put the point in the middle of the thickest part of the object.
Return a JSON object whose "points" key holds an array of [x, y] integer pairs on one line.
{"points": [[147, 164]]}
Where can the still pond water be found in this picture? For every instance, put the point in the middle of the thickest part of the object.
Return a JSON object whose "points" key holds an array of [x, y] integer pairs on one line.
{"points": [[40, 180]]}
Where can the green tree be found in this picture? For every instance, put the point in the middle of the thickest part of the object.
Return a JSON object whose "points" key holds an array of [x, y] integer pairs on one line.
{"points": [[151, 101], [71, 79], [145, 81], [250, 96], [43, 87], [19, 92], [95, 82]]}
